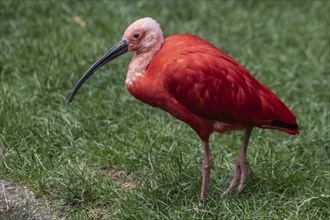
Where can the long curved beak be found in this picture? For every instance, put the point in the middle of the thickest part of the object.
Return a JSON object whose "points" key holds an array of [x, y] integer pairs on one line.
{"points": [[111, 54]]}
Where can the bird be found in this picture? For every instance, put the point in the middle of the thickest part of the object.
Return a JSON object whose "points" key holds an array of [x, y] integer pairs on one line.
{"points": [[198, 84]]}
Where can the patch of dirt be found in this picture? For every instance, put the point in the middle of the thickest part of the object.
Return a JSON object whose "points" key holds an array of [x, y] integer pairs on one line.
{"points": [[126, 179], [18, 202]]}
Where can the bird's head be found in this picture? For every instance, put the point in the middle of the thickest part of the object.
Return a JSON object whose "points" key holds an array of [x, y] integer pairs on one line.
{"points": [[144, 35]]}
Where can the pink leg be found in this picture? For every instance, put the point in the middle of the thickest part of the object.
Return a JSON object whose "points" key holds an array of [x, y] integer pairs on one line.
{"points": [[242, 165], [207, 162]]}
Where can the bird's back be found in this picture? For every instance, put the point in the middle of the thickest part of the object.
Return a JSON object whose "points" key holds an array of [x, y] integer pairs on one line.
{"points": [[214, 86]]}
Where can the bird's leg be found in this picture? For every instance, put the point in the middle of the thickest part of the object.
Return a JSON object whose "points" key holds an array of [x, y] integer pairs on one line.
{"points": [[207, 162], [242, 165]]}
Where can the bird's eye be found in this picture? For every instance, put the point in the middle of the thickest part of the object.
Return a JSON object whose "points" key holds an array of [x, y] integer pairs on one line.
{"points": [[136, 36]]}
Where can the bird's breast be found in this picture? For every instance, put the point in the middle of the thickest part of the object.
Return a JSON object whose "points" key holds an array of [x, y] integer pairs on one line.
{"points": [[132, 74], [146, 90]]}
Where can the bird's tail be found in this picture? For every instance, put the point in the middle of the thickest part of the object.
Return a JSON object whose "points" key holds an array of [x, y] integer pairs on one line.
{"points": [[292, 129], [281, 117]]}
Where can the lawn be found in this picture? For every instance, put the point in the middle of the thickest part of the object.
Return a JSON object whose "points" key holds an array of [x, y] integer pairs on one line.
{"points": [[109, 156]]}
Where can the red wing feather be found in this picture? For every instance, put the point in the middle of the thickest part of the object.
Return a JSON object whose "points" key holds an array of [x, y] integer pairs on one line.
{"points": [[214, 86]]}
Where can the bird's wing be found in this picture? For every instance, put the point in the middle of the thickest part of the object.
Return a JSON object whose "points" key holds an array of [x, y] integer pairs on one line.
{"points": [[214, 86]]}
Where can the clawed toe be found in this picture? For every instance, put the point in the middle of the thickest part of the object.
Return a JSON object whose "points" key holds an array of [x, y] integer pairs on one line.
{"points": [[242, 168]]}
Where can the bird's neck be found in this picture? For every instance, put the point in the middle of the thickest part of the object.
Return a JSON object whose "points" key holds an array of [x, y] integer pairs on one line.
{"points": [[140, 63]]}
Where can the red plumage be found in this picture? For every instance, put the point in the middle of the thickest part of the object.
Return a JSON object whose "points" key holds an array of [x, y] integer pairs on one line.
{"points": [[211, 85]]}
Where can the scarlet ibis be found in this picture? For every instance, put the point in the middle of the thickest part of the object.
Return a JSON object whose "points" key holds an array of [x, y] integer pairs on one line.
{"points": [[200, 85]]}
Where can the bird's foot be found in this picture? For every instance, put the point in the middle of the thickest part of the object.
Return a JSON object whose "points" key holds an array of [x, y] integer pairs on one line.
{"points": [[242, 168]]}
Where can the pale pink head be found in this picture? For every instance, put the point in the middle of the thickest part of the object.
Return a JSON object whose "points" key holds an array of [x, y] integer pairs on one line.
{"points": [[142, 36]]}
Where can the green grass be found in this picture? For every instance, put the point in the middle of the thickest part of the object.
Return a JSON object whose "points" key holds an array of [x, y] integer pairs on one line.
{"points": [[61, 150]]}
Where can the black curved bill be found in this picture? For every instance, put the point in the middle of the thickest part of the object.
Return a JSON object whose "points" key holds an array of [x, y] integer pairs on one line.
{"points": [[111, 54]]}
